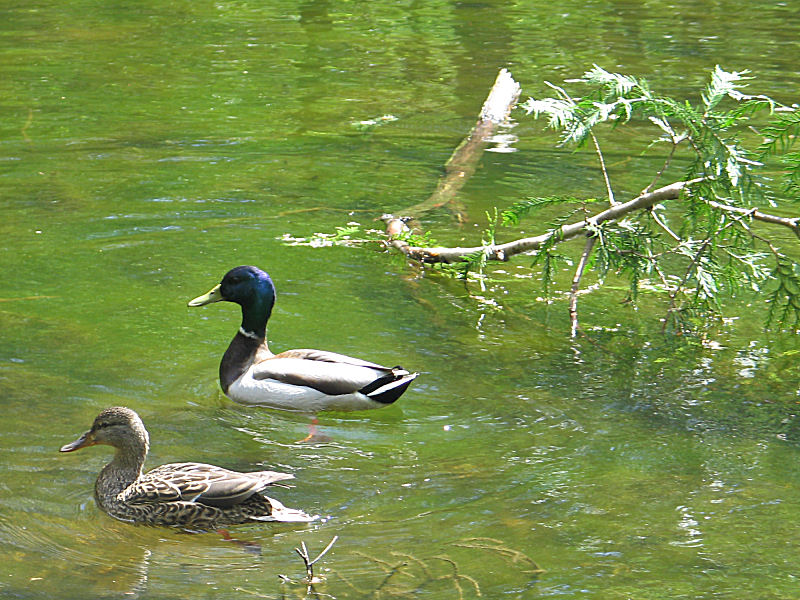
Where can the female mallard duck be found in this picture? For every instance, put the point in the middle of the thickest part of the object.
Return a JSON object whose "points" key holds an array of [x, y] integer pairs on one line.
{"points": [[189, 495], [304, 380]]}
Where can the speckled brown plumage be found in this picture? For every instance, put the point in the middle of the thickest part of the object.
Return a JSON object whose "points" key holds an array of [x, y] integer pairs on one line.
{"points": [[188, 495]]}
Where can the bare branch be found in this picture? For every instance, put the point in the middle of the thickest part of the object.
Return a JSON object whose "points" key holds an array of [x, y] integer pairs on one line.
{"points": [[610, 191], [302, 551], [792, 223], [576, 281], [325, 551], [502, 252], [676, 140], [664, 226]]}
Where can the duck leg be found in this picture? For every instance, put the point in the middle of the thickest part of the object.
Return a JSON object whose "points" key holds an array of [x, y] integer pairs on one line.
{"points": [[314, 436], [250, 547]]}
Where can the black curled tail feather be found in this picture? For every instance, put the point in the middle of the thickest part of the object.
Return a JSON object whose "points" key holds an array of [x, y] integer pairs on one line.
{"points": [[388, 388]]}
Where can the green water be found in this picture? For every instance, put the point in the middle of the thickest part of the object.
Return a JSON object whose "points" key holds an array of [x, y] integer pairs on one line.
{"points": [[147, 147]]}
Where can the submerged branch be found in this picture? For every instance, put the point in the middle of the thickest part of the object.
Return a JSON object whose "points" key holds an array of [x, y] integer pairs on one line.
{"points": [[464, 160]]}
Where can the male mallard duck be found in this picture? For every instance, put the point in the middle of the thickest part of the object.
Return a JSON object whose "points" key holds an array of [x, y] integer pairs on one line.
{"points": [[304, 380], [189, 495]]}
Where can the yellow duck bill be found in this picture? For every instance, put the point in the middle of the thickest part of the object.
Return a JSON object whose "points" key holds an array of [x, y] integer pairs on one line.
{"points": [[214, 295]]}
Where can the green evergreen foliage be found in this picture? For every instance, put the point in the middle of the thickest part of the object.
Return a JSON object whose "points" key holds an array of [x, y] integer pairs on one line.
{"points": [[782, 133], [714, 242], [522, 208], [708, 246]]}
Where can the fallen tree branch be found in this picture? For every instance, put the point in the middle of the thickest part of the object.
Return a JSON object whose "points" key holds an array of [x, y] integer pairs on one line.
{"points": [[462, 163], [634, 247], [502, 252]]}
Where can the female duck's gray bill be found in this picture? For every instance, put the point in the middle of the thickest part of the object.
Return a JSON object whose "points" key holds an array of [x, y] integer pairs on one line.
{"points": [[81, 442], [212, 296]]}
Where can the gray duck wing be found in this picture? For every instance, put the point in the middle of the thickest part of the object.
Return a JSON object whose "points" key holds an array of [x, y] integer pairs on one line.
{"points": [[330, 357], [327, 372], [198, 482]]}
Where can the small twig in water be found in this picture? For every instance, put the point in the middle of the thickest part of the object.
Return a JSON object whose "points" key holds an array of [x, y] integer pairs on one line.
{"points": [[303, 552], [396, 569], [456, 576], [485, 543]]}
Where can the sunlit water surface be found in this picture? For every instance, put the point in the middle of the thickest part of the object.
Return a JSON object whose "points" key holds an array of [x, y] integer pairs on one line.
{"points": [[147, 148]]}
